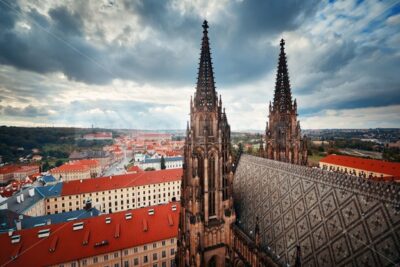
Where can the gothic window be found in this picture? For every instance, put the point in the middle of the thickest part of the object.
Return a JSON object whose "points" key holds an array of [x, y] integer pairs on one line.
{"points": [[211, 185]]}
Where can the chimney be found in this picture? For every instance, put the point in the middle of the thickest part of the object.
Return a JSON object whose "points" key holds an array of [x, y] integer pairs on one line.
{"points": [[31, 192], [22, 197], [19, 199], [18, 224]]}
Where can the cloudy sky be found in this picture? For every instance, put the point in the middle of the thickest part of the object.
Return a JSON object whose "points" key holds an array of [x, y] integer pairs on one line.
{"points": [[133, 64]]}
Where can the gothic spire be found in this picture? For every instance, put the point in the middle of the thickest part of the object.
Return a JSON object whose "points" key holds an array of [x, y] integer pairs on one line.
{"points": [[206, 97], [283, 95]]}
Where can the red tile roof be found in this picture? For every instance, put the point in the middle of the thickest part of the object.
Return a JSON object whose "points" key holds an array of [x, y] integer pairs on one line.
{"points": [[65, 245], [120, 181], [87, 162], [134, 169], [18, 168], [70, 168], [370, 165]]}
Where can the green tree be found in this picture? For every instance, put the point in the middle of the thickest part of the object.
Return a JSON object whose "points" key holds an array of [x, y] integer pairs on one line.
{"points": [[163, 167], [58, 163], [45, 166]]}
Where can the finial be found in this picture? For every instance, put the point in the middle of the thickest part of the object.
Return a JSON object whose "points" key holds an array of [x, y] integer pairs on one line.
{"points": [[282, 43], [205, 25]]}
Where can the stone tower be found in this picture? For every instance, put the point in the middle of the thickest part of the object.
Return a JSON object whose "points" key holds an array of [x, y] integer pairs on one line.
{"points": [[207, 205], [283, 134]]}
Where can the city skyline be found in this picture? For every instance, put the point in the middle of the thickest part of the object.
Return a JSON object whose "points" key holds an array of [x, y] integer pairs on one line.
{"points": [[116, 64]]}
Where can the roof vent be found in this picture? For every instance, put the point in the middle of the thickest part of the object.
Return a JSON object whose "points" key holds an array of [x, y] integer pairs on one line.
{"points": [[43, 233], [102, 243], [15, 239], [31, 192], [77, 226], [108, 220], [151, 211], [128, 216], [174, 207]]}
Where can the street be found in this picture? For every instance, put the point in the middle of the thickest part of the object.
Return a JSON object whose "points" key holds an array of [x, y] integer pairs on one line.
{"points": [[118, 167]]}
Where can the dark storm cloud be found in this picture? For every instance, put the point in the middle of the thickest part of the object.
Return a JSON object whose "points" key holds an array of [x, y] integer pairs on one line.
{"points": [[65, 49], [66, 22], [244, 51], [272, 17], [61, 50], [29, 111]]}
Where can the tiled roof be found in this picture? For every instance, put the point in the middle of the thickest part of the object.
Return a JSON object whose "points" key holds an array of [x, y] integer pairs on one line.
{"points": [[370, 165], [65, 244], [50, 190], [120, 181], [70, 168], [17, 168], [87, 162], [134, 169], [30, 222]]}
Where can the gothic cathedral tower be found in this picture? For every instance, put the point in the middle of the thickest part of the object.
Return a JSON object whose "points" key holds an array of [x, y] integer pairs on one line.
{"points": [[207, 205], [283, 134]]}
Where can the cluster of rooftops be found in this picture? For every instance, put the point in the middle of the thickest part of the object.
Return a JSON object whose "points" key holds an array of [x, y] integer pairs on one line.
{"points": [[83, 238]]}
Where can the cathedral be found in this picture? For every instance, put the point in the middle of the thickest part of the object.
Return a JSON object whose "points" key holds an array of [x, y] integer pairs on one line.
{"points": [[273, 210], [283, 134]]}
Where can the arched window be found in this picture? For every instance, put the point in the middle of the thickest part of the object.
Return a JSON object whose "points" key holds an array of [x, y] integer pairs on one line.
{"points": [[211, 185]]}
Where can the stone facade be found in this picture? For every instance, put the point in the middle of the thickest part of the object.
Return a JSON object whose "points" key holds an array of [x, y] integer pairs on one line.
{"points": [[207, 205], [283, 134], [284, 214]]}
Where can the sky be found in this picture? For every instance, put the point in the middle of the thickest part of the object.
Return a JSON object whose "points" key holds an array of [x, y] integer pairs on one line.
{"points": [[133, 64]]}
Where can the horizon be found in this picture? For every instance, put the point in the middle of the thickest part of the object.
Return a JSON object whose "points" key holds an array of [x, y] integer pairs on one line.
{"points": [[75, 64]]}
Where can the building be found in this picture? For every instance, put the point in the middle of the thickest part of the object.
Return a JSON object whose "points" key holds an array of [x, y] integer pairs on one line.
{"points": [[153, 137], [17, 172], [207, 206], [119, 192], [98, 136], [93, 164], [367, 168], [27, 201], [170, 163], [71, 172], [103, 157], [284, 214], [18, 221], [283, 140], [142, 237], [134, 169]]}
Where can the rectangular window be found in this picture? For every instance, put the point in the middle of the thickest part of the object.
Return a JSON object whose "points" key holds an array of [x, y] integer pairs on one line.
{"points": [[163, 254], [144, 247], [172, 251], [145, 259], [116, 255], [126, 264], [106, 257], [136, 261], [154, 245], [125, 252], [154, 256]]}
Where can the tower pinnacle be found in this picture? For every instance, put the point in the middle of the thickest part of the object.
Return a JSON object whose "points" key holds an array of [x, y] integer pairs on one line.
{"points": [[283, 95], [206, 98]]}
